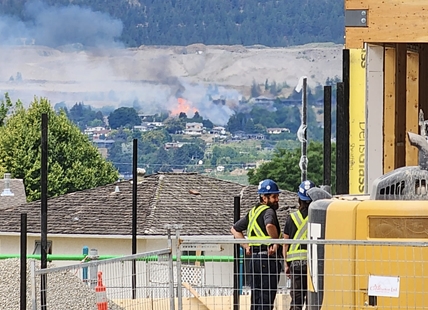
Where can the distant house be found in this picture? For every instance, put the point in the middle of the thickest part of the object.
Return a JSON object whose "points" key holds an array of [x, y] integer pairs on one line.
{"points": [[263, 99], [241, 135], [277, 131], [99, 143], [12, 192], [101, 217], [194, 129], [147, 126], [220, 168], [173, 145], [96, 133], [218, 130]]}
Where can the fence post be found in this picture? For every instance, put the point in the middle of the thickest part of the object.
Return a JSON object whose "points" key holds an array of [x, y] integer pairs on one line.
{"points": [[85, 251], [327, 137], [179, 284], [23, 297], [171, 272], [93, 269], [236, 255], [33, 284]]}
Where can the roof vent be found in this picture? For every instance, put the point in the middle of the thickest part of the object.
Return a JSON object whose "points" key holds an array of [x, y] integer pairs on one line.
{"points": [[7, 191], [116, 189]]}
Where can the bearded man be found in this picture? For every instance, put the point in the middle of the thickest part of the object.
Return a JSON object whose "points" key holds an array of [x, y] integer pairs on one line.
{"points": [[265, 266]]}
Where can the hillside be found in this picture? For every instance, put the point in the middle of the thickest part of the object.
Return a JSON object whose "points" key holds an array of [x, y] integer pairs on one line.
{"points": [[172, 22], [153, 77]]}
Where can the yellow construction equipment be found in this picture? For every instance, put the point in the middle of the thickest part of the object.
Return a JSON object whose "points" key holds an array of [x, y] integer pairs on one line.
{"points": [[383, 264]]}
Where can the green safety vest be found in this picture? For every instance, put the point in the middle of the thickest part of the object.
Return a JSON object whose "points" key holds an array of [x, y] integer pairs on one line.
{"points": [[253, 229], [294, 251]]}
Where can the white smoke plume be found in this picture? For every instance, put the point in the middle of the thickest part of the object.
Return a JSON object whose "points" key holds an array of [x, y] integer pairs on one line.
{"points": [[72, 54], [57, 26]]}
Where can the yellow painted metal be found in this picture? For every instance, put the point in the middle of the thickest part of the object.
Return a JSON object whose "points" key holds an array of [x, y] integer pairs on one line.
{"points": [[357, 121]]}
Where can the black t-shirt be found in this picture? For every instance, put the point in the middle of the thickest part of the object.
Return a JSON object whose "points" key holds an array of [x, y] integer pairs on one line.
{"points": [[290, 228], [267, 216]]}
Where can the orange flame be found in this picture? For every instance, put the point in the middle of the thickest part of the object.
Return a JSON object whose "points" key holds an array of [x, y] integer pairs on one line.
{"points": [[183, 106]]}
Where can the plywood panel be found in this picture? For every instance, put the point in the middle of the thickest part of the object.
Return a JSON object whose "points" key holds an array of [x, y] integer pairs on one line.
{"points": [[389, 111], [412, 106], [389, 22], [356, 4]]}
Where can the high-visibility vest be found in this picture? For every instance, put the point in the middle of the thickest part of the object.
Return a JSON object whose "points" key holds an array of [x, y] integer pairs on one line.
{"points": [[295, 252], [253, 229]]}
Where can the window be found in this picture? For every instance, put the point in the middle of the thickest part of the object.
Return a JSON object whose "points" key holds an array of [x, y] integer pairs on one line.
{"points": [[193, 253], [38, 247]]}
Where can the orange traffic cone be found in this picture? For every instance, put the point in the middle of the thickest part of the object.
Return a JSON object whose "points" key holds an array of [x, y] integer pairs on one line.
{"points": [[100, 291]]}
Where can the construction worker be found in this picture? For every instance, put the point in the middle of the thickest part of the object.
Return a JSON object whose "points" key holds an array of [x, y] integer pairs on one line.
{"points": [[295, 255], [265, 266]]}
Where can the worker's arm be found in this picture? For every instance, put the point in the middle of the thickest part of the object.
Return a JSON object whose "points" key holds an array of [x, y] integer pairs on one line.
{"points": [[284, 254], [273, 233], [240, 235]]}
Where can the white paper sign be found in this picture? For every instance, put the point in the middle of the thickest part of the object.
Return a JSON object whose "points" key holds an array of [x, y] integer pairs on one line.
{"points": [[384, 286]]}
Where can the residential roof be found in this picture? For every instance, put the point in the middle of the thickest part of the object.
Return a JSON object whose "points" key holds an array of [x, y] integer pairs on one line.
{"points": [[202, 204], [19, 197]]}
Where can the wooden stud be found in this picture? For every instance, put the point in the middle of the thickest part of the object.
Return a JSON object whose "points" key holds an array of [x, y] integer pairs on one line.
{"points": [[423, 78], [400, 105], [198, 253], [389, 110], [412, 106]]}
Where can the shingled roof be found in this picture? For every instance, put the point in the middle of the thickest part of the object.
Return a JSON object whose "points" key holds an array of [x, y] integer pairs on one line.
{"points": [[203, 205], [16, 187]]}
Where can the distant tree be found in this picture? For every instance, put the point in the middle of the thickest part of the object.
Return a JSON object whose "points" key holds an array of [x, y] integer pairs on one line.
{"points": [[174, 125], [273, 89], [187, 154], [284, 167], [182, 115], [82, 115], [6, 106], [255, 90], [197, 118], [60, 106], [96, 123], [207, 124], [236, 122], [74, 163], [124, 117], [156, 137], [250, 126]]}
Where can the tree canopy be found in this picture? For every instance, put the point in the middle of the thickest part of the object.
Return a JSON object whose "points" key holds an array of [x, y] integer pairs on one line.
{"points": [[284, 167], [124, 117], [73, 162]]}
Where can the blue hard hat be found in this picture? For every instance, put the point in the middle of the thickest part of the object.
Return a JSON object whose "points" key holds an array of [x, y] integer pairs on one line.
{"points": [[268, 187], [303, 190]]}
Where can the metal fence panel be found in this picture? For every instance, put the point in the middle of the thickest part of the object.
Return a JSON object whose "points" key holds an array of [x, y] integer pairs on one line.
{"points": [[67, 289], [341, 274]]}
